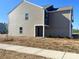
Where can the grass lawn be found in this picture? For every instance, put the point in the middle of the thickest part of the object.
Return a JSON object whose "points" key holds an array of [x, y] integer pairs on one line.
{"points": [[5, 54], [60, 44]]}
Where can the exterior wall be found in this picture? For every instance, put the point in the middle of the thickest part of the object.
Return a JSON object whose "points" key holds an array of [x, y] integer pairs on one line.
{"points": [[59, 24], [17, 19]]}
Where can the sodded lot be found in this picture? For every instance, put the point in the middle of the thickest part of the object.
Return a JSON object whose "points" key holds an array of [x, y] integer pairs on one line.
{"points": [[4, 54], [60, 44]]}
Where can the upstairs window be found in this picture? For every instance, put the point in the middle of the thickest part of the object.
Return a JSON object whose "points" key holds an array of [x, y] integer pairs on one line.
{"points": [[26, 16], [20, 30], [46, 18]]}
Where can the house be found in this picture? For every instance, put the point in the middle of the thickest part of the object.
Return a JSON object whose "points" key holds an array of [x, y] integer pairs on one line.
{"points": [[29, 19]]}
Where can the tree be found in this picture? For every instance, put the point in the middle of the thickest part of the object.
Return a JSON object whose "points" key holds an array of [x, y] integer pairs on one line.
{"points": [[75, 31], [3, 28]]}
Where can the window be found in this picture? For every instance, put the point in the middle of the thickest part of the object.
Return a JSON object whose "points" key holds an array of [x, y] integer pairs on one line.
{"points": [[26, 16], [20, 30], [46, 18]]}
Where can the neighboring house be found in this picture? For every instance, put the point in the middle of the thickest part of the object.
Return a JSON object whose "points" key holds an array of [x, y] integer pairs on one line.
{"points": [[29, 19]]}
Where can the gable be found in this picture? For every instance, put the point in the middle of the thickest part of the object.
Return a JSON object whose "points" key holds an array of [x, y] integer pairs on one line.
{"points": [[33, 4], [15, 7], [26, 3]]}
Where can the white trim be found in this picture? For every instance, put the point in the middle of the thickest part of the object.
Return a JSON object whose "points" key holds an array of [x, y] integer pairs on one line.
{"points": [[43, 18], [35, 26], [70, 30], [41, 25], [34, 31], [38, 25], [33, 4], [8, 24]]}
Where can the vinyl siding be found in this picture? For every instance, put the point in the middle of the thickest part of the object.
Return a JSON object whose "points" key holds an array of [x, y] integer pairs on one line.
{"points": [[59, 24], [17, 19]]}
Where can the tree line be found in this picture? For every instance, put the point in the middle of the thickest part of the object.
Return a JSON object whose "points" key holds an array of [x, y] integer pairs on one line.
{"points": [[3, 28]]}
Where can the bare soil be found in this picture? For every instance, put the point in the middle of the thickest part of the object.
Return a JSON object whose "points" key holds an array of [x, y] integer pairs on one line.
{"points": [[59, 44], [5, 54]]}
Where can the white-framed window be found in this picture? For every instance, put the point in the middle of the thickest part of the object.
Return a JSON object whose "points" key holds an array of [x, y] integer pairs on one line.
{"points": [[20, 30], [26, 16]]}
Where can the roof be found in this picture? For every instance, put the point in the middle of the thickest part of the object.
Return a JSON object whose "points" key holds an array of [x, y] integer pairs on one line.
{"points": [[32, 3], [47, 6], [62, 9], [44, 6], [65, 8]]}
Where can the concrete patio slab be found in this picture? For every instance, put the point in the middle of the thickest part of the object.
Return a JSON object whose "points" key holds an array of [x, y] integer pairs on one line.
{"points": [[71, 56], [40, 52], [9, 47], [29, 50], [51, 54], [3, 46]]}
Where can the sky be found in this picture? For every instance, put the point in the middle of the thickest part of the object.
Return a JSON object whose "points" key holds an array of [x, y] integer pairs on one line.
{"points": [[7, 5]]}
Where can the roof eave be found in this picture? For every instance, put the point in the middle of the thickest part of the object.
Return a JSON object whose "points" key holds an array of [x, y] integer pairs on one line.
{"points": [[58, 10], [47, 7], [33, 4]]}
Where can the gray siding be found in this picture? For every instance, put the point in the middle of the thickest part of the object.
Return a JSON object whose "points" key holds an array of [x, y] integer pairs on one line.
{"points": [[59, 24]]}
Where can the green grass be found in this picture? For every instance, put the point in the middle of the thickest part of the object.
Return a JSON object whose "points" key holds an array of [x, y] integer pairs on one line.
{"points": [[75, 31]]}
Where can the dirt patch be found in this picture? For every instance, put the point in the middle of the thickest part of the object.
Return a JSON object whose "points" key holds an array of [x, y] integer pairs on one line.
{"points": [[60, 44], [5, 54]]}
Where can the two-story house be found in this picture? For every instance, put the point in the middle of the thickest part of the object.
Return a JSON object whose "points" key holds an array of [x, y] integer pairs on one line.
{"points": [[29, 19]]}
